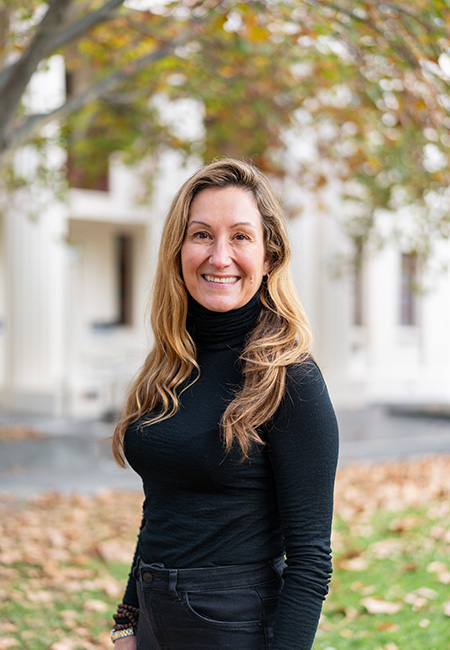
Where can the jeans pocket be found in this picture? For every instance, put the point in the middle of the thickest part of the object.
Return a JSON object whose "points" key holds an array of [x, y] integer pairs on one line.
{"points": [[270, 595], [239, 607]]}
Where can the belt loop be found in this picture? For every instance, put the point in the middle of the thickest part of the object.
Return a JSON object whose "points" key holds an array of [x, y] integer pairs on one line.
{"points": [[135, 570], [173, 578]]}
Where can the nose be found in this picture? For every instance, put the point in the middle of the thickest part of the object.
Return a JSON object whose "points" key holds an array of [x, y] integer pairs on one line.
{"points": [[220, 254]]}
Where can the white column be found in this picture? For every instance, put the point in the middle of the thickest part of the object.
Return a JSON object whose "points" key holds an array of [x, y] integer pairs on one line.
{"points": [[35, 261]]}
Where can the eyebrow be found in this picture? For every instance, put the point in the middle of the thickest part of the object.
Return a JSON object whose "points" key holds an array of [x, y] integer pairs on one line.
{"points": [[208, 225]]}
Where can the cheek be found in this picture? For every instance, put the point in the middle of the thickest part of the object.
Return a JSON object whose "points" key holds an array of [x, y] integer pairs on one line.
{"points": [[189, 261], [256, 263]]}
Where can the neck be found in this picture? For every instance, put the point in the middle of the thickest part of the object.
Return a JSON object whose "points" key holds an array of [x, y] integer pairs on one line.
{"points": [[214, 330]]}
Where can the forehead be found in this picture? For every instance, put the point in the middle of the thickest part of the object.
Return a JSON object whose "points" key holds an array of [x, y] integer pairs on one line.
{"points": [[226, 203]]}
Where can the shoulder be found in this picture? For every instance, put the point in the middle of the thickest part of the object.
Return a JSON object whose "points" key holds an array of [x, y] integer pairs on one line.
{"points": [[305, 424], [306, 401], [304, 381]]}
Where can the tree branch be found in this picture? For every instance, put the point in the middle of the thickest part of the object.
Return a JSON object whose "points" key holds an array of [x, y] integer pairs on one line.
{"points": [[376, 5], [385, 34], [68, 34], [15, 86], [79, 27], [404, 20], [101, 89], [411, 14]]}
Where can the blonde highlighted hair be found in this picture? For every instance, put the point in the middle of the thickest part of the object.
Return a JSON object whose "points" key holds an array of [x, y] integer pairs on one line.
{"points": [[281, 336]]}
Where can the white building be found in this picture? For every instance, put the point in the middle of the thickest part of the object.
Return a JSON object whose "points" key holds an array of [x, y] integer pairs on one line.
{"points": [[74, 283]]}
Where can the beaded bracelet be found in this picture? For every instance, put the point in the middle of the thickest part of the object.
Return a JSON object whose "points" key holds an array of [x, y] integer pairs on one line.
{"points": [[128, 612], [120, 634]]}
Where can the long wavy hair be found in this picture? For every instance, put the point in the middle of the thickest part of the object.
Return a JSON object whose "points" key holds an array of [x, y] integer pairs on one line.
{"points": [[281, 336]]}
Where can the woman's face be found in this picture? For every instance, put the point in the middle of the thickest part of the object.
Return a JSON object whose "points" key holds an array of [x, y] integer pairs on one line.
{"points": [[223, 258]]}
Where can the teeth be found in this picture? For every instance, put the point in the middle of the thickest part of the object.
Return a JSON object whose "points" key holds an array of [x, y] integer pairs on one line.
{"points": [[229, 280]]}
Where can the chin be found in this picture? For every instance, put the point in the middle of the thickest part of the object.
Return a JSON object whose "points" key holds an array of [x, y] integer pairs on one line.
{"points": [[219, 308], [220, 305]]}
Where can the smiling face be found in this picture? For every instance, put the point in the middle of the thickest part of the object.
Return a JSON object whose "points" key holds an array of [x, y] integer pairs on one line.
{"points": [[223, 257]]}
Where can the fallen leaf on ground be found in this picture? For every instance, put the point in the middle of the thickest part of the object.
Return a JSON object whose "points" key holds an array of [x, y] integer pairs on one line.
{"points": [[114, 551], [444, 577], [386, 548], [7, 642], [402, 525], [387, 626], [96, 606], [419, 599], [418, 602], [354, 564], [64, 644], [443, 573], [426, 592], [379, 606]]}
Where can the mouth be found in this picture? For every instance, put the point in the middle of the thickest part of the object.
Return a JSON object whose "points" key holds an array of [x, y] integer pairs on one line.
{"points": [[228, 279]]}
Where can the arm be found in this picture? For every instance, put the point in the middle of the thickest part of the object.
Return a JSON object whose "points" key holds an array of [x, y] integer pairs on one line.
{"points": [[130, 598], [303, 451], [128, 643]]}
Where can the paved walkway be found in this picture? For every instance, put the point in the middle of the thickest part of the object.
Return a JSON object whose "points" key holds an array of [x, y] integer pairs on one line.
{"points": [[69, 456]]}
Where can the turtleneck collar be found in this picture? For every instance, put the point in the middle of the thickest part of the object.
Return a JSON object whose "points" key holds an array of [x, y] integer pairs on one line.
{"points": [[213, 330]]}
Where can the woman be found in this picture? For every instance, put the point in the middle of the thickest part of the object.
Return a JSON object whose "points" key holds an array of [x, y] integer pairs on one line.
{"points": [[230, 426]]}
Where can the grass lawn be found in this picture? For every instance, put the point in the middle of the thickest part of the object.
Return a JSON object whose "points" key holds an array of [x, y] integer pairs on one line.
{"points": [[64, 562], [391, 541]]}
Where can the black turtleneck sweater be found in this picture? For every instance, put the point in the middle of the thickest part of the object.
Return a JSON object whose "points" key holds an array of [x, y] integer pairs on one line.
{"points": [[204, 507]]}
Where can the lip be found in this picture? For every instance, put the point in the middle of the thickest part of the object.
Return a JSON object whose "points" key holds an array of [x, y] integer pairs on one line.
{"points": [[223, 280]]}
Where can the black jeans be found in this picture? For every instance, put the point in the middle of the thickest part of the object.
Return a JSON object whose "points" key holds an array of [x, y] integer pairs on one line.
{"points": [[212, 608]]}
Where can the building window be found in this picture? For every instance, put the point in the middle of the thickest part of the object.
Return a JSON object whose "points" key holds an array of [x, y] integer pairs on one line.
{"points": [[122, 276], [124, 265], [85, 169], [83, 177], [408, 288]]}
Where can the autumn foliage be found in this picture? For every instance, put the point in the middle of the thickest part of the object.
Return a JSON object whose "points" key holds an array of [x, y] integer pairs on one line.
{"points": [[355, 91], [64, 561]]}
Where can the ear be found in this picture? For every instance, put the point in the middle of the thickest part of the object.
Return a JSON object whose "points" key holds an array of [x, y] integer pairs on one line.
{"points": [[267, 264]]}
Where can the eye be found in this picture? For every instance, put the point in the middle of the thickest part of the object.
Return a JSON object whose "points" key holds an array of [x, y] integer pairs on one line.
{"points": [[201, 234], [241, 236]]}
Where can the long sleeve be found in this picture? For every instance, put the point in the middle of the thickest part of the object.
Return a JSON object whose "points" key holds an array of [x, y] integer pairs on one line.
{"points": [[304, 451], [130, 595]]}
